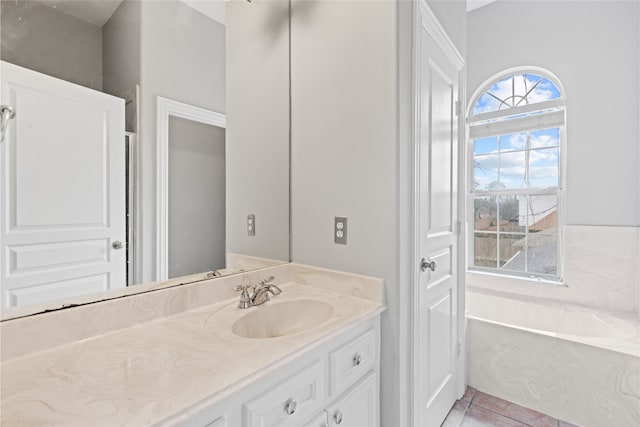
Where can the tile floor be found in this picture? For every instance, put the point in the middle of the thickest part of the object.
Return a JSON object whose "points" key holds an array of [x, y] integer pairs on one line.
{"points": [[478, 409]]}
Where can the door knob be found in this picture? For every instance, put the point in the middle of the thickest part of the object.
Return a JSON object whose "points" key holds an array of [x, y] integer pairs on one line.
{"points": [[427, 264], [290, 406], [117, 245], [337, 416]]}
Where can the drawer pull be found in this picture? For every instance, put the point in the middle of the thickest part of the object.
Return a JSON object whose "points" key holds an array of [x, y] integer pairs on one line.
{"points": [[290, 406], [337, 416], [357, 359]]}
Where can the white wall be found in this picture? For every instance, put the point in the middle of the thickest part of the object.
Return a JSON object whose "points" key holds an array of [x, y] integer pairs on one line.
{"points": [[350, 89], [593, 48]]}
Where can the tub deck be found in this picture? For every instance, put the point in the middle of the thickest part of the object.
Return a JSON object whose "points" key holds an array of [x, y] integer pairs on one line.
{"points": [[573, 363]]}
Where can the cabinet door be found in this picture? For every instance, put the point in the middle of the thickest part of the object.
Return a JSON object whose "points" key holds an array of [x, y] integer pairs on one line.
{"points": [[358, 407], [220, 422], [319, 421]]}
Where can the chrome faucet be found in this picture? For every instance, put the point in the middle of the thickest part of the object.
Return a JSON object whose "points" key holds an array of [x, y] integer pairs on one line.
{"points": [[260, 295]]}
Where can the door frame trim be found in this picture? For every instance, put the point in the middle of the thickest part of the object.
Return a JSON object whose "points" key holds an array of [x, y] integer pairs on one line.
{"points": [[424, 18], [167, 108]]}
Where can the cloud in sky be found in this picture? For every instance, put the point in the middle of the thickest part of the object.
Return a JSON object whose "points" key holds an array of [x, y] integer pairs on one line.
{"points": [[512, 90], [510, 167]]}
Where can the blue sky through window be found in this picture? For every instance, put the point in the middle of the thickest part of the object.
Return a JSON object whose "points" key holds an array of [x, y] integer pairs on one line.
{"points": [[514, 91], [501, 161]]}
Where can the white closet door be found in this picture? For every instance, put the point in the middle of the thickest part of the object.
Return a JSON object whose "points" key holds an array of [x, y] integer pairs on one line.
{"points": [[62, 190], [437, 317]]}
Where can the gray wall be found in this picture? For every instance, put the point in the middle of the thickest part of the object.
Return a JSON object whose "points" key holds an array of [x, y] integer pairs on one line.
{"points": [[196, 197], [345, 154], [452, 15], [351, 148], [258, 128], [121, 49], [182, 58], [43, 39], [593, 47]]}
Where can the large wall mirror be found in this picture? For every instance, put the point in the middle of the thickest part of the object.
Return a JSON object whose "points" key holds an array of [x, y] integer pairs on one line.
{"points": [[140, 155]]}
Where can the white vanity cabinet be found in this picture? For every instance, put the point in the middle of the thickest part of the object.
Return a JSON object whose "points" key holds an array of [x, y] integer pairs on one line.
{"points": [[320, 420], [358, 407], [333, 383]]}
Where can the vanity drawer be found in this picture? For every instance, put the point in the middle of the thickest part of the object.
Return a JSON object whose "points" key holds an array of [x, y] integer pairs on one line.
{"points": [[350, 362], [289, 403]]}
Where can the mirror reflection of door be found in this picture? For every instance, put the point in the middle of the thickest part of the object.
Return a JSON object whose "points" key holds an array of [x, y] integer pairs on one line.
{"points": [[63, 210], [196, 197]]}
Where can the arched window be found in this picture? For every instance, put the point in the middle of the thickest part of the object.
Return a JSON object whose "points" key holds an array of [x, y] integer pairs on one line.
{"points": [[516, 134]]}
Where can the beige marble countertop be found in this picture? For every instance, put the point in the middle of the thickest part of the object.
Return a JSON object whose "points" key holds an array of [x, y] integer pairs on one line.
{"points": [[146, 373]]}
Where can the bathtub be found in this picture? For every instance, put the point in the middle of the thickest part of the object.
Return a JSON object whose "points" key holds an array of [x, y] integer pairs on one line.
{"points": [[571, 362]]}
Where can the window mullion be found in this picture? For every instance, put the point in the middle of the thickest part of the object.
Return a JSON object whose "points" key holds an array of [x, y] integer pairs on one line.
{"points": [[526, 236], [533, 122], [498, 231], [523, 109], [518, 192]]}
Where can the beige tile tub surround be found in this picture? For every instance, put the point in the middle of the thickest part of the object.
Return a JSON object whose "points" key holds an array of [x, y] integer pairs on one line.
{"points": [[601, 270], [582, 384], [142, 373]]}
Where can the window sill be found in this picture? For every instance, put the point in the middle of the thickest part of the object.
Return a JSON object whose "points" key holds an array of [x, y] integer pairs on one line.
{"points": [[483, 279]]}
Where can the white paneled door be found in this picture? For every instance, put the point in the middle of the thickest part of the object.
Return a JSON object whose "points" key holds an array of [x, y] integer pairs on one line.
{"points": [[436, 293], [62, 190]]}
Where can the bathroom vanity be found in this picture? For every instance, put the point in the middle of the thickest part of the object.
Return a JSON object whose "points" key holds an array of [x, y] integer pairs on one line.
{"points": [[334, 382], [308, 357]]}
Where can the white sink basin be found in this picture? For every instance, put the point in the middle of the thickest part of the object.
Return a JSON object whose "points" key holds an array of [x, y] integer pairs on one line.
{"points": [[277, 319]]}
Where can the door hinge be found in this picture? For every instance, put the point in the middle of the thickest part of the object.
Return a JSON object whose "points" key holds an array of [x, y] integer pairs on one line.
{"points": [[458, 108], [459, 347], [458, 227]]}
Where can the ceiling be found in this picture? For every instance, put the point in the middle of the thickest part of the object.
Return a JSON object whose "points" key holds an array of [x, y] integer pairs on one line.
{"points": [[98, 12], [214, 9]]}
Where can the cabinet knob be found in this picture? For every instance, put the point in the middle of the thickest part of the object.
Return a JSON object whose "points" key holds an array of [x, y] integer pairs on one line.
{"points": [[337, 416], [357, 359], [290, 406]]}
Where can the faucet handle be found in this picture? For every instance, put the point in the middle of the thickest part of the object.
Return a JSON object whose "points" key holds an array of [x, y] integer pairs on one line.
{"points": [[245, 300], [267, 280]]}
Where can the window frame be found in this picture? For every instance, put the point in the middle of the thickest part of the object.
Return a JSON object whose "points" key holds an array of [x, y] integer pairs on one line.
{"points": [[497, 123]]}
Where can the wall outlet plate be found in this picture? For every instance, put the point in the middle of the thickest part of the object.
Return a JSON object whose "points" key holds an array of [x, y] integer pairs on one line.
{"points": [[251, 225], [340, 230]]}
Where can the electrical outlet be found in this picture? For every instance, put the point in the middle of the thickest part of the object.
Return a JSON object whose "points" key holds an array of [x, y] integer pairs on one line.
{"points": [[340, 230], [251, 225]]}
